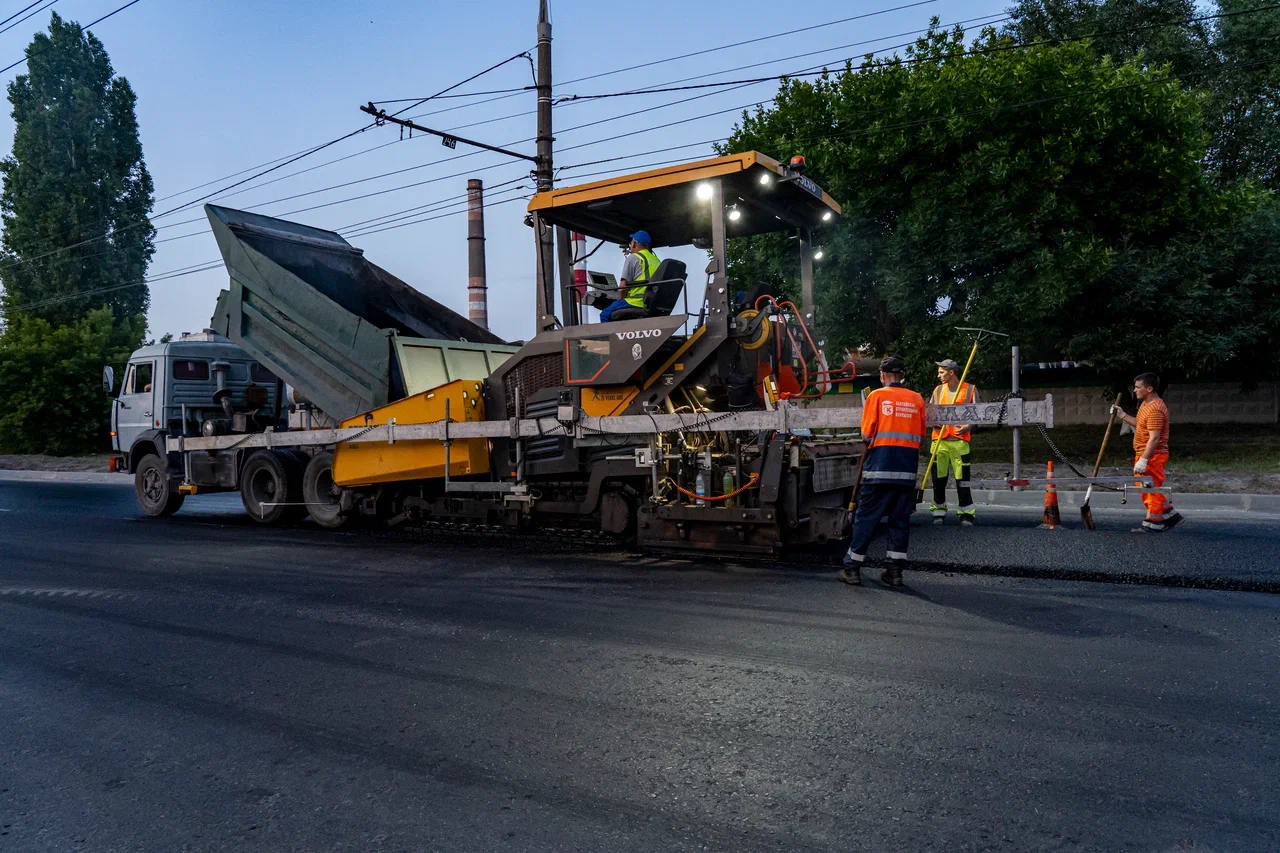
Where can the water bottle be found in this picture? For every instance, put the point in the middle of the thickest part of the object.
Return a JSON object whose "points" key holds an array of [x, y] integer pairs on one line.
{"points": [[700, 486], [728, 486]]}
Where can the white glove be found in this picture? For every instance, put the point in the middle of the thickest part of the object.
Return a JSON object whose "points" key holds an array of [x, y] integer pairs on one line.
{"points": [[1116, 411], [1140, 467]]}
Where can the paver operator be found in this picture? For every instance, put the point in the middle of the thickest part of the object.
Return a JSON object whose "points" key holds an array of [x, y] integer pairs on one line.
{"points": [[952, 443], [893, 425], [1151, 451], [638, 268]]}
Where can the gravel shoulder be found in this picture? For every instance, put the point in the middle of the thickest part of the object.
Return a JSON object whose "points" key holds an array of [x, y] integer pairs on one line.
{"points": [[27, 462], [1211, 482]]}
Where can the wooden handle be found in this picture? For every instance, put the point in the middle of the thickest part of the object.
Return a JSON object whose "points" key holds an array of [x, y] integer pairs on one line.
{"points": [[857, 484], [1111, 419]]}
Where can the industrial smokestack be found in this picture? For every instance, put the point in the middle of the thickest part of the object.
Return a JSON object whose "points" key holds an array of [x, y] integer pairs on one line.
{"points": [[477, 286]]}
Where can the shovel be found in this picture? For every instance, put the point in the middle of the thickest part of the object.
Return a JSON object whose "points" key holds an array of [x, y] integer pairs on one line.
{"points": [[1086, 514]]}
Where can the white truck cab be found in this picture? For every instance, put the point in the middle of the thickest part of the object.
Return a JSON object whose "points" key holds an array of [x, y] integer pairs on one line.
{"points": [[178, 388]]}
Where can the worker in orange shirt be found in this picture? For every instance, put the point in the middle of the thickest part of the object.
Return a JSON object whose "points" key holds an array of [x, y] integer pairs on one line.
{"points": [[893, 426], [1151, 451]]}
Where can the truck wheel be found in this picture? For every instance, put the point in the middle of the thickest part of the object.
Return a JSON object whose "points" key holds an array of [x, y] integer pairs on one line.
{"points": [[151, 485], [295, 462], [268, 483], [321, 495]]}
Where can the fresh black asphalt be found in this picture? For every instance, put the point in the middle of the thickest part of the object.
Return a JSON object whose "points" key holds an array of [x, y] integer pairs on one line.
{"points": [[196, 683]]}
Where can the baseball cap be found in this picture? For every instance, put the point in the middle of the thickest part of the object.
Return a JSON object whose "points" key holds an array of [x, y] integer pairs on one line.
{"points": [[893, 364], [643, 238], [949, 364]]}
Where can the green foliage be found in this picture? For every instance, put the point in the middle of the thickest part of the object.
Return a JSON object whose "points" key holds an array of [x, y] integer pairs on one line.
{"points": [[1035, 191], [1145, 30], [1243, 98], [76, 177], [50, 382], [1230, 62], [1203, 304]]}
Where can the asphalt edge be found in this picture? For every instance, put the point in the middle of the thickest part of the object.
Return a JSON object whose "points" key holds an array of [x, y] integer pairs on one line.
{"points": [[1191, 501]]}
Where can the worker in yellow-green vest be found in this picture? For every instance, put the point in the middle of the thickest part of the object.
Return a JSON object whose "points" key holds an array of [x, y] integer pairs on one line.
{"points": [[952, 445], [638, 268]]}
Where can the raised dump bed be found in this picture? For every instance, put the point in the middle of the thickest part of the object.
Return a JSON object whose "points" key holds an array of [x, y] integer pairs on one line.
{"points": [[345, 333]]}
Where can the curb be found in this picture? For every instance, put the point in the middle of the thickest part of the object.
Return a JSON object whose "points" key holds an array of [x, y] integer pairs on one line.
{"points": [[1191, 501], [66, 477]]}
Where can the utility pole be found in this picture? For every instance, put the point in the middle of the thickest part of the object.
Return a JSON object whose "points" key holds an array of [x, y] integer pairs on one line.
{"points": [[546, 255]]}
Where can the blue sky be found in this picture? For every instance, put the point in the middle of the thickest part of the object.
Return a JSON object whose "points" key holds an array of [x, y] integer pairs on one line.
{"points": [[229, 85]]}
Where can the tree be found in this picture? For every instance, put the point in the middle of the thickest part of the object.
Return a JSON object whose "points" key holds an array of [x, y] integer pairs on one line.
{"points": [[1230, 61], [1002, 188], [50, 381], [76, 189], [1243, 101], [1152, 32]]}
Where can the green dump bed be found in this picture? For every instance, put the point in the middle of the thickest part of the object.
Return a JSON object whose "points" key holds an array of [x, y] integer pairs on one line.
{"points": [[347, 334]]}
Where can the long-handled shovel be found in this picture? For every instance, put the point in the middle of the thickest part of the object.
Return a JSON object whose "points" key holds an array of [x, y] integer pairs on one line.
{"points": [[1086, 514], [963, 376]]}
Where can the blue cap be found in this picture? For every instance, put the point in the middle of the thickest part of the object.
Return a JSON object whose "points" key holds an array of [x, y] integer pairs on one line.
{"points": [[643, 238]]}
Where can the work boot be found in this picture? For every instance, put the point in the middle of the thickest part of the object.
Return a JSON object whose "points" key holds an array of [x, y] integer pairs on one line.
{"points": [[850, 574], [1173, 521], [892, 574], [937, 520], [966, 521]]}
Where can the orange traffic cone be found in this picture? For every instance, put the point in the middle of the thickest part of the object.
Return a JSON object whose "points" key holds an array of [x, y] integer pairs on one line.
{"points": [[1052, 518]]}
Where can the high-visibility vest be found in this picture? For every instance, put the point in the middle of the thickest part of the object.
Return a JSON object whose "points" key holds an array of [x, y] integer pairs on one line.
{"points": [[893, 423], [964, 394], [648, 266]]}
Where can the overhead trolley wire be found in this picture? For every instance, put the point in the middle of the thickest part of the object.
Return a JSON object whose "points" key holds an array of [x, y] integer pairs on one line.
{"points": [[116, 11], [29, 15]]}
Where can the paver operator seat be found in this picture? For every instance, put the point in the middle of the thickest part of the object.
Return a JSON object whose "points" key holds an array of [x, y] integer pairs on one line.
{"points": [[661, 293]]}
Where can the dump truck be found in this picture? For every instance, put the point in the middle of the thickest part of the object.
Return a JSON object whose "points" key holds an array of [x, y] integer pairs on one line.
{"points": [[306, 324], [696, 429]]}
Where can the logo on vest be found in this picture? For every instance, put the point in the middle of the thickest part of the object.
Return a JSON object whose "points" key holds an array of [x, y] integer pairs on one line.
{"points": [[886, 408], [638, 335]]}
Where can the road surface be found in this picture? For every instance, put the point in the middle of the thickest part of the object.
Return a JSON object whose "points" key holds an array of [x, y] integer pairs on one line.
{"points": [[195, 683]]}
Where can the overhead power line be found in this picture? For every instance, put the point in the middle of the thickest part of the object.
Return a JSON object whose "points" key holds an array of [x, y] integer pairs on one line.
{"points": [[595, 142], [99, 291], [27, 16], [443, 93], [701, 52], [115, 11], [278, 165], [812, 70], [510, 91], [19, 12], [757, 40], [987, 20]]}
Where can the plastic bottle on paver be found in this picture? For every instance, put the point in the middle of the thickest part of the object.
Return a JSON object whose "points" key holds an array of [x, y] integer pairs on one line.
{"points": [[728, 486], [700, 486]]}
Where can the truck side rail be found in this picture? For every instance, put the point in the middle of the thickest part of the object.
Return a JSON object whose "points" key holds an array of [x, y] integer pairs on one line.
{"points": [[1016, 413]]}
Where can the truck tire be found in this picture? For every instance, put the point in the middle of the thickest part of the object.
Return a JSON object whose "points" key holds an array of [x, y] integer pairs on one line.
{"points": [[272, 478], [321, 495], [155, 493], [295, 463]]}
